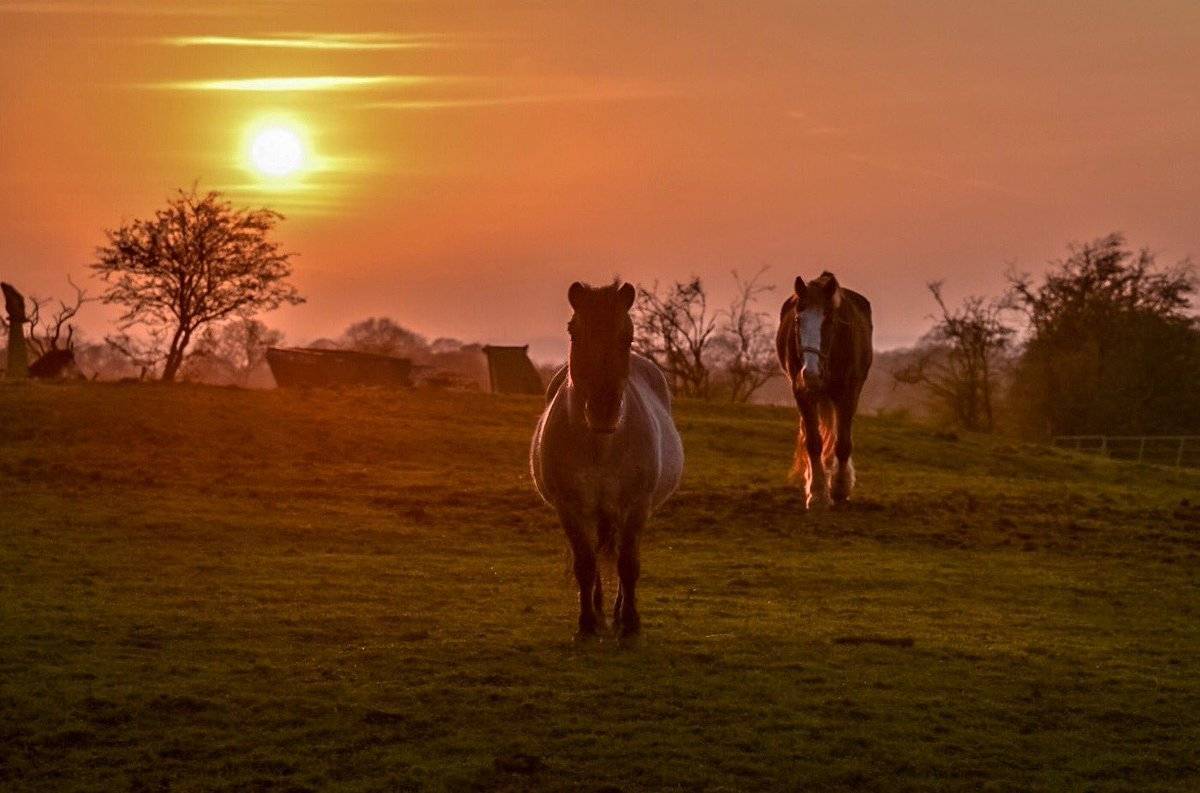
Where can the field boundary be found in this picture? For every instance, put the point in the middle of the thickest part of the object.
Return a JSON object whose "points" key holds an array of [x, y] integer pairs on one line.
{"points": [[1175, 450]]}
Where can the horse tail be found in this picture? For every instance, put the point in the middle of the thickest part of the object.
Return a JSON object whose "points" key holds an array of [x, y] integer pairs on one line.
{"points": [[606, 536], [606, 548]]}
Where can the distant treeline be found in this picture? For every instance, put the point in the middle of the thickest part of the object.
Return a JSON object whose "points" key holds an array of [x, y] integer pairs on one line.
{"points": [[1105, 342]]}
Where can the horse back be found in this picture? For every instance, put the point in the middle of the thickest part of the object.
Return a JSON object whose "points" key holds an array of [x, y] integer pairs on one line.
{"points": [[648, 374], [858, 306], [556, 381]]}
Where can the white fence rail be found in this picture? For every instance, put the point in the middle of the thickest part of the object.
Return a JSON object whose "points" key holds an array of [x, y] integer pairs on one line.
{"points": [[1176, 450]]}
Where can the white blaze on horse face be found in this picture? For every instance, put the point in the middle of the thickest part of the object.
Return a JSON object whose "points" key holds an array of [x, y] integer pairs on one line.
{"points": [[811, 320]]}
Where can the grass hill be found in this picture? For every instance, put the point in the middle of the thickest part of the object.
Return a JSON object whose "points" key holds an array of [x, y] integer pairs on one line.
{"points": [[214, 589]]}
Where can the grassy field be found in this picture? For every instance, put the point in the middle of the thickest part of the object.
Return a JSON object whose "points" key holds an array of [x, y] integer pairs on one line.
{"points": [[208, 589]]}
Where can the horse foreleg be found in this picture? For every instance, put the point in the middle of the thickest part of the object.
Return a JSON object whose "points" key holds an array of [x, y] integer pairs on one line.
{"points": [[629, 568], [843, 477], [583, 557], [598, 601], [816, 483], [605, 538]]}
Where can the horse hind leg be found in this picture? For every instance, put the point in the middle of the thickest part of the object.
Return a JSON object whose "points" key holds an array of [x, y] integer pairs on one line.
{"points": [[629, 568], [843, 481], [843, 477], [605, 542]]}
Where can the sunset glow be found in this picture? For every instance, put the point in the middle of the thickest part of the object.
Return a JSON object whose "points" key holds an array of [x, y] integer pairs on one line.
{"points": [[435, 152]]}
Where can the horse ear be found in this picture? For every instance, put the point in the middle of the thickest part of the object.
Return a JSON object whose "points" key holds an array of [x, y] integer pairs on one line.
{"points": [[574, 294], [801, 286], [627, 294]]}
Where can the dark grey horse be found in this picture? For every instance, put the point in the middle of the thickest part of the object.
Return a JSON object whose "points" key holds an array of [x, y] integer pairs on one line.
{"points": [[606, 452]]}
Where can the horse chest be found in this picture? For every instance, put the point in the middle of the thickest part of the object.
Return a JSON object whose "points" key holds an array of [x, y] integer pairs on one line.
{"points": [[587, 472]]}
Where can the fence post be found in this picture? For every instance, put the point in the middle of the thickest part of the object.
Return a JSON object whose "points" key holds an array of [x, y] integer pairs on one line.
{"points": [[1103, 445], [1142, 449], [1179, 454]]}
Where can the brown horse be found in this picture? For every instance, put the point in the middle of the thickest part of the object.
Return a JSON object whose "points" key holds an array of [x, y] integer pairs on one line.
{"points": [[824, 345], [606, 452]]}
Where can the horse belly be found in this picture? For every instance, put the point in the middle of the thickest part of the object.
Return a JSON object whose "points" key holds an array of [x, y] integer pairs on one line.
{"points": [[670, 468], [669, 454]]}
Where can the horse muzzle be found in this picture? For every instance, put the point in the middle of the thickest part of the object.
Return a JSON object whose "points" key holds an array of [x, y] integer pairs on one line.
{"points": [[809, 381], [605, 426]]}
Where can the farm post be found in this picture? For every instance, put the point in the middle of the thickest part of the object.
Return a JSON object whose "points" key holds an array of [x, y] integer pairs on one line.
{"points": [[18, 358]]}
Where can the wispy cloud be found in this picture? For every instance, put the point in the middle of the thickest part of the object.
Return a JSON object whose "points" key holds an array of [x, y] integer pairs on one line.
{"points": [[155, 9], [602, 95], [285, 84], [314, 41]]}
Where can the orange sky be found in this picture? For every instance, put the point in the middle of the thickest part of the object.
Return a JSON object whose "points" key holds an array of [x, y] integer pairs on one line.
{"points": [[501, 150]]}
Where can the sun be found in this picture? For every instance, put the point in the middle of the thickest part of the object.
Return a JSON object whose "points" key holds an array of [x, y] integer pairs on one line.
{"points": [[277, 151]]}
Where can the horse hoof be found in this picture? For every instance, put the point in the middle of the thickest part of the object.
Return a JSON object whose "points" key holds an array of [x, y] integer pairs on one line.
{"points": [[583, 636]]}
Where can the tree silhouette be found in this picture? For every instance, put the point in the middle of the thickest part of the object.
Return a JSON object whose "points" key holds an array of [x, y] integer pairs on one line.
{"points": [[676, 329], [231, 352], [384, 336], [747, 340], [197, 261], [1113, 345], [959, 358]]}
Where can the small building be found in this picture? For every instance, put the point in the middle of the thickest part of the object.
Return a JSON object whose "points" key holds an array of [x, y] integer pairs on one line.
{"points": [[511, 372], [315, 368]]}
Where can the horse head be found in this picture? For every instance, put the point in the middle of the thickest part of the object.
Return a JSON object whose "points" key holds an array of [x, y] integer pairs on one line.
{"points": [[598, 361], [816, 306]]}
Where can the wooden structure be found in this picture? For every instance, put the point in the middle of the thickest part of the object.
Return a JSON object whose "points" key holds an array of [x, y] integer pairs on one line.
{"points": [[313, 368], [511, 372]]}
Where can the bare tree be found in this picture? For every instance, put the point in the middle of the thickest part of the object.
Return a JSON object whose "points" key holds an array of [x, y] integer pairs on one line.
{"points": [[232, 351], [676, 329], [384, 336], [196, 262], [102, 361], [747, 340], [52, 352], [959, 358], [145, 353], [46, 332]]}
